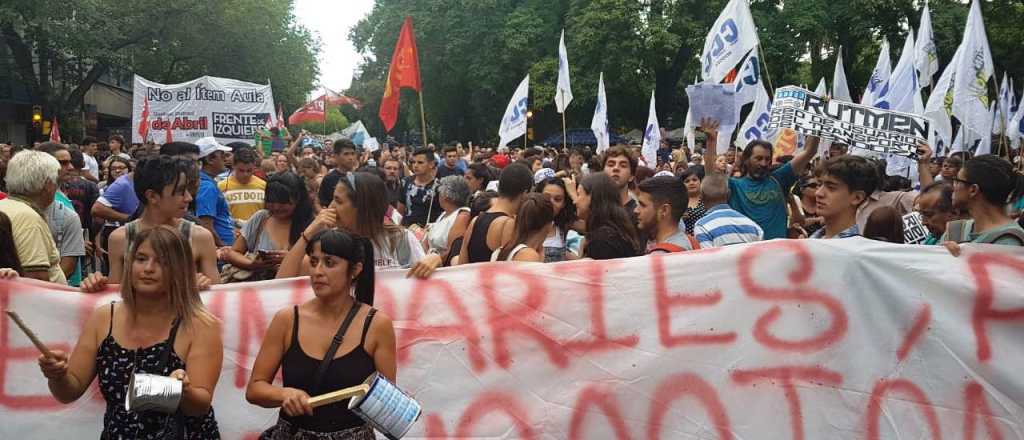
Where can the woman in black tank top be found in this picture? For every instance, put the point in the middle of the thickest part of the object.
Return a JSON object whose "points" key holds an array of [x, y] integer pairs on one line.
{"points": [[515, 182], [299, 342], [160, 307]]}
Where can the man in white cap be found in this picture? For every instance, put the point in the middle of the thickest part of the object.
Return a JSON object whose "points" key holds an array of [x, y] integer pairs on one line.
{"points": [[211, 207]]}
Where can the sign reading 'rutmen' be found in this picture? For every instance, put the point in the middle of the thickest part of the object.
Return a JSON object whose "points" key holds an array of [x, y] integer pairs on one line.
{"points": [[858, 126], [227, 109]]}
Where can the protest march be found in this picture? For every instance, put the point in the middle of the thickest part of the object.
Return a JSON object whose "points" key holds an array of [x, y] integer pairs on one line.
{"points": [[262, 257]]}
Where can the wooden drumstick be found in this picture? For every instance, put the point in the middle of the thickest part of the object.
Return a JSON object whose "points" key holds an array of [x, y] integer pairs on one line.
{"points": [[337, 396], [31, 335]]}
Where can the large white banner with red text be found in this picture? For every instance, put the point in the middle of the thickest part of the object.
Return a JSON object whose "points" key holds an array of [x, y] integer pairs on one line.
{"points": [[812, 339]]}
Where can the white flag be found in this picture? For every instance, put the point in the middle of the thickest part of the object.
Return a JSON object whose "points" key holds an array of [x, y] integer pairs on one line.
{"points": [[563, 95], [940, 103], [755, 127], [652, 137], [513, 124], [899, 91], [600, 123], [822, 88], [926, 56], [883, 69], [973, 69], [732, 36], [958, 141], [840, 89]]}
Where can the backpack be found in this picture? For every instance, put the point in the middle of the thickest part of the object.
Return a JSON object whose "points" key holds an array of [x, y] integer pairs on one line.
{"points": [[959, 231], [670, 248]]}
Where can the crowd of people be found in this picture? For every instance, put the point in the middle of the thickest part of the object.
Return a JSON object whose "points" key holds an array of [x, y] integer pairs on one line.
{"points": [[162, 223]]}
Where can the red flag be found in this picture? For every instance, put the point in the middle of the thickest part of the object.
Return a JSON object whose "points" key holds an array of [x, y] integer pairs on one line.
{"points": [[55, 131], [280, 118], [313, 111], [404, 73], [144, 123], [170, 137]]}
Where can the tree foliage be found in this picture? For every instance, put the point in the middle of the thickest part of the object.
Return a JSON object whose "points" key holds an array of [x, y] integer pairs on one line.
{"points": [[60, 48], [335, 121], [473, 53]]}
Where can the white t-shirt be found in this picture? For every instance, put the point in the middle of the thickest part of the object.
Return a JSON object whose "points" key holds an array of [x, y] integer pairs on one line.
{"points": [[92, 165], [391, 257]]}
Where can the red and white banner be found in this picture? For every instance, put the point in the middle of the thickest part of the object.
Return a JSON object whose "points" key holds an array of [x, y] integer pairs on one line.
{"points": [[808, 339]]}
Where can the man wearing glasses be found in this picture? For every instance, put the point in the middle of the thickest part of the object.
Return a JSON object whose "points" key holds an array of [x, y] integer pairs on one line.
{"points": [[64, 223], [983, 188]]}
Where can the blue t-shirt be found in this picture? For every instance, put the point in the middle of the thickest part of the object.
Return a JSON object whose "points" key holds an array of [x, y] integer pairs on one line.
{"points": [[211, 203], [764, 201], [120, 195]]}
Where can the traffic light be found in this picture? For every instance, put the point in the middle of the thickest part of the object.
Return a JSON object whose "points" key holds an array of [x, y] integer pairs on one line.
{"points": [[37, 114]]}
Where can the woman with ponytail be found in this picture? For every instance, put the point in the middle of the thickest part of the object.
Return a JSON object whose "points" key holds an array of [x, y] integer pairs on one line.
{"points": [[342, 341]]}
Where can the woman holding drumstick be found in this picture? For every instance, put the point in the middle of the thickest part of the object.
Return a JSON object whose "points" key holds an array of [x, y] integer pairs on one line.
{"points": [[160, 328], [333, 341]]}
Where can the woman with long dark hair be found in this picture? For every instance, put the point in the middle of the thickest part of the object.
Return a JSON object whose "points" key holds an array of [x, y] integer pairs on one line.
{"points": [[160, 327], [610, 230], [339, 319], [556, 245], [358, 206], [534, 221], [270, 232]]}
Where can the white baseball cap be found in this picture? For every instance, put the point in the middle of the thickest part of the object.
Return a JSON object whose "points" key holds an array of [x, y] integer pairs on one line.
{"points": [[208, 145]]}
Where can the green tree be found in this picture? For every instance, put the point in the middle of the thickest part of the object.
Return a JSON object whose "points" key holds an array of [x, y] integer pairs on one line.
{"points": [[473, 53], [335, 121], [59, 49]]}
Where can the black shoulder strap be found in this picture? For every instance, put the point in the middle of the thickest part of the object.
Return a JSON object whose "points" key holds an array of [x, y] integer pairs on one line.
{"points": [[329, 356], [366, 325]]}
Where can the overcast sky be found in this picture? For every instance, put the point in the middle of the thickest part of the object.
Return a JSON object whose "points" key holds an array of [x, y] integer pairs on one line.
{"points": [[331, 20]]}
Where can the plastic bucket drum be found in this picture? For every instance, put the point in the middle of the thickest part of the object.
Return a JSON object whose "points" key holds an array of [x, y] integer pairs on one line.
{"points": [[385, 407], [150, 392]]}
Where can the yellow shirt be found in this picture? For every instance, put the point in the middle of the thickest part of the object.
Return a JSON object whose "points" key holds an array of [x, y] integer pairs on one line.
{"points": [[243, 200], [33, 240]]}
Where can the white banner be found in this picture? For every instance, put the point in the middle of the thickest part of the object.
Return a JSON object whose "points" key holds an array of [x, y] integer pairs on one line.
{"points": [[815, 339], [856, 125], [227, 109]]}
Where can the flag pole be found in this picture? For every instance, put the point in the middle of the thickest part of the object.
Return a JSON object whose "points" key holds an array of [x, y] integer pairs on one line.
{"points": [[766, 75], [423, 118], [564, 134]]}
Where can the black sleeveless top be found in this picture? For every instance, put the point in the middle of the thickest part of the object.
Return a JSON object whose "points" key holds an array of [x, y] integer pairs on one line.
{"points": [[477, 249], [114, 368], [350, 369]]}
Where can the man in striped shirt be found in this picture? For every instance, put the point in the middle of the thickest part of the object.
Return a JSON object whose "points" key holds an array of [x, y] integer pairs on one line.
{"points": [[722, 225]]}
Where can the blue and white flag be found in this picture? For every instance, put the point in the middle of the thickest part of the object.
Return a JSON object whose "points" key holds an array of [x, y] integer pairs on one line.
{"points": [[747, 81], [1015, 128], [755, 127], [652, 136], [513, 124], [563, 94], [881, 73], [902, 91], [599, 125], [1002, 115], [731, 38]]}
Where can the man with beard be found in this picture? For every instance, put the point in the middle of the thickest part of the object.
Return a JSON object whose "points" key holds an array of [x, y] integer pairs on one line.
{"points": [[935, 204], [761, 194], [661, 202]]}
